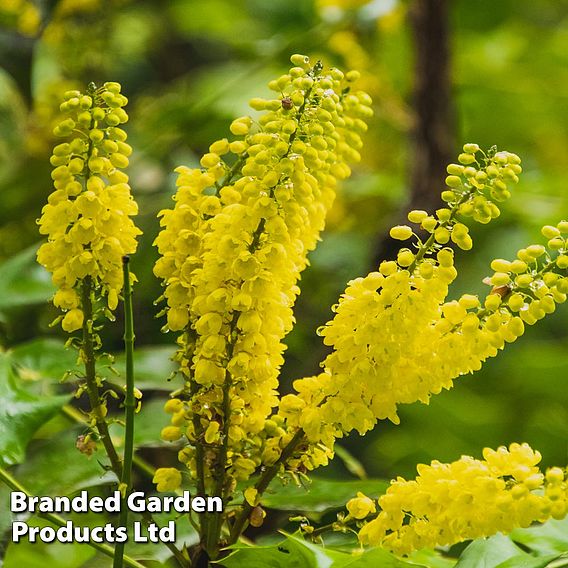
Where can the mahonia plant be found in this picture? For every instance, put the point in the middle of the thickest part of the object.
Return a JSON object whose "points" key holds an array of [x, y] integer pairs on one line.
{"points": [[232, 249]]}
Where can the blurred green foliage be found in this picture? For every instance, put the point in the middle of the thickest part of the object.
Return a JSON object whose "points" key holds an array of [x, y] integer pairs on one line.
{"points": [[189, 67]]}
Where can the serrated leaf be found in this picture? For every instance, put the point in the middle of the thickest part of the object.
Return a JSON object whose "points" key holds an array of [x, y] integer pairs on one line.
{"points": [[320, 495], [23, 282], [547, 538], [21, 414], [295, 552], [488, 552]]}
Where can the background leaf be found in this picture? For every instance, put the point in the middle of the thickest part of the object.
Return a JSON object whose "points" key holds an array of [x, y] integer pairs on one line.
{"points": [[547, 538], [488, 552], [320, 495], [23, 282], [55, 467], [21, 414], [295, 552]]}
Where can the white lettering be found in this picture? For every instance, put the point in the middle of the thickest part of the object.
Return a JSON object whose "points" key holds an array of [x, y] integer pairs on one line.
{"points": [[18, 502], [19, 529]]}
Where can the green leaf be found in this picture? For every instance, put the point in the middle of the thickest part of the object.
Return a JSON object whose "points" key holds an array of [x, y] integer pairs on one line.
{"points": [[432, 559], [43, 359], [488, 552], [320, 495], [55, 467], [295, 552], [23, 282], [39, 554], [526, 561], [547, 538], [21, 414]]}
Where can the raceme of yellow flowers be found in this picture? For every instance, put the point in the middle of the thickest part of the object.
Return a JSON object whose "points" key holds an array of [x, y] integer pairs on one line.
{"points": [[466, 499], [87, 217], [395, 337], [232, 250]]}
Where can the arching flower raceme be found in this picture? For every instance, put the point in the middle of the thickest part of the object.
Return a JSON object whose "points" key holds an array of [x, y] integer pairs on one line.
{"points": [[396, 338], [87, 217], [467, 499], [233, 247]]}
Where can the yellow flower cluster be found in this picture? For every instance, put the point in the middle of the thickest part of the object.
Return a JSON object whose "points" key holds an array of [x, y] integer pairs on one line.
{"points": [[233, 247], [467, 499], [395, 339], [87, 217]]}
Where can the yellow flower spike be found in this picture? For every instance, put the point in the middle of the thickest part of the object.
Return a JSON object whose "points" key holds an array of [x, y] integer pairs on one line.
{"points": [[81, 242], [234, 245], [384, 330], [506, 486]]}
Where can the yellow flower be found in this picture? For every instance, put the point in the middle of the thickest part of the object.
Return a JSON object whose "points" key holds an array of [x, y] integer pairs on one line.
{"points": [[167, 479], [73, 320], [233, 247], [361, 506]]}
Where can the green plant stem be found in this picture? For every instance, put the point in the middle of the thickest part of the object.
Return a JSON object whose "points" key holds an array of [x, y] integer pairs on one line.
{"points": [[129, 409], [215, 522], [60, 522], [262, 484], [88, 352]]}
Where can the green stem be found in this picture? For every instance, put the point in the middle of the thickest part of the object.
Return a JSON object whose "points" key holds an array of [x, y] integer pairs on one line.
{"points": [[263, 483], [428, 245], [129, 408], [89, 359], [60, 522]]}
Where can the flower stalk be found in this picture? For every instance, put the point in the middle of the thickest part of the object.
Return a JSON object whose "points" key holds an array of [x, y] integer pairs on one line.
{"points": [[129, 408], [88, 355]]}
